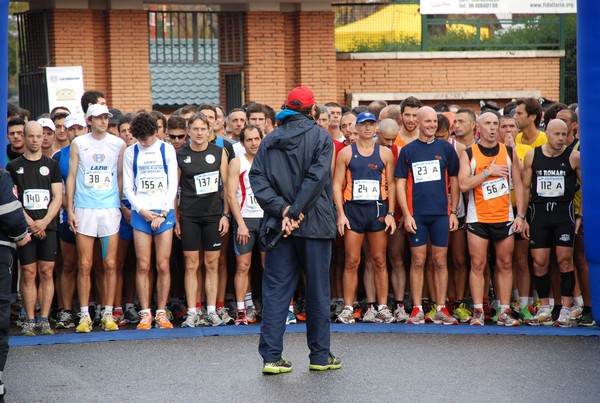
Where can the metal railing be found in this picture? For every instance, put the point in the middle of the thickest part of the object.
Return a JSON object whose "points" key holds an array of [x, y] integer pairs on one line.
{"points": [[196, 37], [33, 92], [398, 26]]}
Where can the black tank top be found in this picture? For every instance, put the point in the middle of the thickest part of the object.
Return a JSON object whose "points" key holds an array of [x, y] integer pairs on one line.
{"points": [[553, 177], [200, 181]]}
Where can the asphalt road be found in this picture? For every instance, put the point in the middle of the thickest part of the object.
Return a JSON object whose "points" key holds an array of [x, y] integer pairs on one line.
{"points": [[384, 367]]}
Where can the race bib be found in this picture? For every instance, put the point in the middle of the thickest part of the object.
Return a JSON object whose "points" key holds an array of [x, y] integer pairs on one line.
{"points": [[550, 186], [494, 188], [36, 199], [363, 189], [207, 182], [150, 185], [252, 203], [98, 180], [426, 171]]}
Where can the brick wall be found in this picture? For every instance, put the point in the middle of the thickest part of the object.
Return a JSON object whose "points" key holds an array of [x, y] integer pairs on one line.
{"points": [[441, 75], [284, 50], [71, 44], [316, 49], [112, 48], [265, 78], [128, 54]]}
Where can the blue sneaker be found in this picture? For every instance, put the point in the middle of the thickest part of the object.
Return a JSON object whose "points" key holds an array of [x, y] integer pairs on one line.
{"points": [[291, 318]]}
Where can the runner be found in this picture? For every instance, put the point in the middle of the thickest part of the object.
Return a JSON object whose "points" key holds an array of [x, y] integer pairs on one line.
{"points": [[150, 185], [425, 168], [550, 175], [362, 209], [93, 199], [204, 216], [247, 216], [488, 170]]}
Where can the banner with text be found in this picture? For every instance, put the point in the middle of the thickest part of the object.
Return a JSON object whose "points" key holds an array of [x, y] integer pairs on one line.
{"points": [[498, 6], [65, 87]]}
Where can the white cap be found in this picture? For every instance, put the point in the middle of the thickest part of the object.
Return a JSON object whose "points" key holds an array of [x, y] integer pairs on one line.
{"points": [[45, 122], [97, 110], [75, 119]]}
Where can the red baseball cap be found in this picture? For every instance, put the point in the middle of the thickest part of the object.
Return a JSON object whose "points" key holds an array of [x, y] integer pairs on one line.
{"points": [[300, 98]]}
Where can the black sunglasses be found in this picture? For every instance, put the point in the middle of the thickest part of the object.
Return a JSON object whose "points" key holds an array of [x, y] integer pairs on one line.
{"points": [[174, 136]]}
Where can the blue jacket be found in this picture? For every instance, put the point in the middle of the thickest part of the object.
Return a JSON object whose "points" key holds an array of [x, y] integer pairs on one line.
{"points": [[293, 167], [13, 226]]}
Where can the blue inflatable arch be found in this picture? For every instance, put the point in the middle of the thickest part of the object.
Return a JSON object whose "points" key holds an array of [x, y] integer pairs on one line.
{"points": [[588, 72], [588, 88], [3, 78]]}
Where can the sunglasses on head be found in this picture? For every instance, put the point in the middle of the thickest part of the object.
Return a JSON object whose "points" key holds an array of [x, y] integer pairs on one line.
{"points": [[178, 137]]}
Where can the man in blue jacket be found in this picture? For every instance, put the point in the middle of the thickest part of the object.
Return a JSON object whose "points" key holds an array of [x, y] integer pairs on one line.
{"points": [[291, 179], [13, 233]]}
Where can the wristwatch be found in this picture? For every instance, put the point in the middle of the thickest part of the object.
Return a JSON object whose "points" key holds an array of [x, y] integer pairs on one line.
{"points": [[522, 216], [161, 215], [392, 213], [454, 212], [228, 215]]}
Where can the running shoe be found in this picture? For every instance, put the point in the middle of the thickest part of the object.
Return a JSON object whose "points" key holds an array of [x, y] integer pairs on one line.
{"points": [[336, 309], [542, 317], [241, 318], [224, 315], [417, 317], [162, 321], [333, 362], [85, 324], [29, 328], [22, 317], [213, 319], [430, 315], [202, 319], [278, 367], [145, 321], [54, 314], [191, 320], [576, 311], [443, 317], [371, 315], [346, 316], [400, 314], [65, 320], [357, 311], [385, 315], [291, 318], [43, 327], [586, 320], [108, 323], [177, 311], [132, 316], [119, 317], [462, 314], [486, 311], [565, 319], [251, 314], [506, 318], [525, 314], [98, 316], [301, 316], [496, 315], [478, 318]]}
